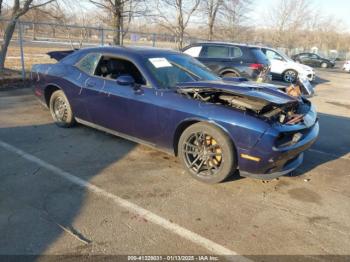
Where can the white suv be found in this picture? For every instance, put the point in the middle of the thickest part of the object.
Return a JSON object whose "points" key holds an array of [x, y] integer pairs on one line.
{"points": [[346, 66], [284, 67]]}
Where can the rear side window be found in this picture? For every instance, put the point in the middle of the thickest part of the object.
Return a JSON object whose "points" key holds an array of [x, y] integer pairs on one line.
{"points": [[236, 52], [217, 52], [88, 63], [259, 55]]}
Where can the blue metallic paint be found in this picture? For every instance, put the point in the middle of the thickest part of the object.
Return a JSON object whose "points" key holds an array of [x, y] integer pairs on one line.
{"points": [[154, 115]]}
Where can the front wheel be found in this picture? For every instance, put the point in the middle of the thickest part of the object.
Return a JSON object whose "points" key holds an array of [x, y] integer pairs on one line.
{"points": [[290, 76], [324, 65], [61, 110], [207, 153]]}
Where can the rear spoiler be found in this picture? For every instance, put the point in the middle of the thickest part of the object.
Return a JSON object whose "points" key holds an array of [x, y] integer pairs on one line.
{"points": [[59, 55]]}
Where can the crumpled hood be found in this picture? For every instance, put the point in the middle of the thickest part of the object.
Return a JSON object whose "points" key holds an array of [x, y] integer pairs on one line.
{"points": [[261, 91]]}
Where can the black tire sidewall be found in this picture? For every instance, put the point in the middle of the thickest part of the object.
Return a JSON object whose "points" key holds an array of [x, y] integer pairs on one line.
{"points": [[228, 165], [70, 118], [290, 70], [233, 74]]}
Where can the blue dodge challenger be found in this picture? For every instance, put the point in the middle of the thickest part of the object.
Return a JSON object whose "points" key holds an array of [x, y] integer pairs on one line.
{"points": [[172, 102]]}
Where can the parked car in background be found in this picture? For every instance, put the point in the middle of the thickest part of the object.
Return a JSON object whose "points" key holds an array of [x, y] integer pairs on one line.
{"points": [[284, 67], [231, 60], [312, 59], [170, 101], [346, 66]]}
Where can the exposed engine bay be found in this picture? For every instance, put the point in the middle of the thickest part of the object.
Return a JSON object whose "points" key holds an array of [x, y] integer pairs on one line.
{"points": [[289, 113]]}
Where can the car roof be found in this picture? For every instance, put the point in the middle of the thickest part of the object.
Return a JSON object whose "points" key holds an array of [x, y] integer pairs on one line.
{"points": [[131, 51], [224, 43]]}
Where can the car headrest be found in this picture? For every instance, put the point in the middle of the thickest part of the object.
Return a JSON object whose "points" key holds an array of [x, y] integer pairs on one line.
{"points": [[114, 66]]}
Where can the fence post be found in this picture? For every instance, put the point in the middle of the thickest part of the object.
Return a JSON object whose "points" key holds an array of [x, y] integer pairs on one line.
{"points": [[102, 37], [154, 40], [20, 39]]}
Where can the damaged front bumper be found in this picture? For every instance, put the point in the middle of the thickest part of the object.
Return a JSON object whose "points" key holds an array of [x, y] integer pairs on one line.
{"points": [[275, 161], [290, 167]]}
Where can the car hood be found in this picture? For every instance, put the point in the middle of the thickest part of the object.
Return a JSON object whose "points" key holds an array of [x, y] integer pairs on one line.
{"points": [[304, 67], [266, 92]]}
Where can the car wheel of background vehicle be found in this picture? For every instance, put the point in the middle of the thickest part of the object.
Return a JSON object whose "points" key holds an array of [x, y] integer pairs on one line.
{"points": [[60, 109], [207, 153], [230, 74], [324, 65], [290, 76]]}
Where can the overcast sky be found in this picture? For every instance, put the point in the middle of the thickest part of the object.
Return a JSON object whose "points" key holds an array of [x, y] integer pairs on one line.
{"points": [[338, 8]]}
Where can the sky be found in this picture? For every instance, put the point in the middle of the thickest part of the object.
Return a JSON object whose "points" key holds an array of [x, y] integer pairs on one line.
{"points": [[337, 8], [340, 9]]}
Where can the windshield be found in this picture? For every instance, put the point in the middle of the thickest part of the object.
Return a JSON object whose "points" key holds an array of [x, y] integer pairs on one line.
{"points": [[169, 70], [284, 56]]}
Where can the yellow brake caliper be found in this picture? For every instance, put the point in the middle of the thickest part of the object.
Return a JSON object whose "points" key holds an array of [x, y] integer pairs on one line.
{"points": [[217, 158]]}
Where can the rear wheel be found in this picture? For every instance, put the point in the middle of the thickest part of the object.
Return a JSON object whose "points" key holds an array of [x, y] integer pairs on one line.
{"points": [[290, 76], [207, 153], [60, 109], [324, 65], [231, 74]]}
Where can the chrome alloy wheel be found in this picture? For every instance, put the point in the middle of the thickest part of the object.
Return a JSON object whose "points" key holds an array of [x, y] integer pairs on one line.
{"points": [[60, 109]]}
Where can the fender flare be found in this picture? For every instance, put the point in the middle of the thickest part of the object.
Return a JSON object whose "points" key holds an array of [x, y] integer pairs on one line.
{"points": [[228, 70]]}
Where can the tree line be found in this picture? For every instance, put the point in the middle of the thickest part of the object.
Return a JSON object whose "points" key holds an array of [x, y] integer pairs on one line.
{"points": [[291, 23]]}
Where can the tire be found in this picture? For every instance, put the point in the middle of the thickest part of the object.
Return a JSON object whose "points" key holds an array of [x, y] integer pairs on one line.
{"points": [[231, 74], [207, 153], [290, 76], [324, 65], [61, 110]]}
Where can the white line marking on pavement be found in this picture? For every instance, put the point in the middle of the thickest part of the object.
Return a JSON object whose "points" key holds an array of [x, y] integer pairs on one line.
{"points": [[144, 213]]}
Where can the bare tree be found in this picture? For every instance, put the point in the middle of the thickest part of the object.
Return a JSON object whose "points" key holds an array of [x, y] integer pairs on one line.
{"points": [[233, 19], [18, 9], [175, 16], [288, 18], [122, 12], [211, 10], [1, 2]]}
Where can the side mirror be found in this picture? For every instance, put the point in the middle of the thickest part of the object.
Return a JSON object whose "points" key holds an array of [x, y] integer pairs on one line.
{"points": [[126, 80]]}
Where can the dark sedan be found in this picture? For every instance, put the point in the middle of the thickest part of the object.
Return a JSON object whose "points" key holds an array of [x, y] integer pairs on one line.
{"points": [[170, 101], [231, 60], [314, 60]]}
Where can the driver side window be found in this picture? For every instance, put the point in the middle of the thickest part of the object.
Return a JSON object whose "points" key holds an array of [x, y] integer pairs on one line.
{"points": [[272, 55], [111, 68]]}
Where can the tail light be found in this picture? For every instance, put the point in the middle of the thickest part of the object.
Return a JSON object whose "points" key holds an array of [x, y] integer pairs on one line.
{"points": [[256, 66]]}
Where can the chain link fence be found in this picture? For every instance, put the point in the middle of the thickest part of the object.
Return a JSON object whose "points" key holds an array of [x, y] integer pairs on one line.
{"points": [[33, 40]]}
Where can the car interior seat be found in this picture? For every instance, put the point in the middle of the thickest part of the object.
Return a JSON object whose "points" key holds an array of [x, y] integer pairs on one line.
{"points": [[115, 68]]}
